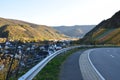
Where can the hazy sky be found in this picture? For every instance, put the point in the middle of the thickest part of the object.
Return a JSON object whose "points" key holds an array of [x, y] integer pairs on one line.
{"points": [[59, 12]]}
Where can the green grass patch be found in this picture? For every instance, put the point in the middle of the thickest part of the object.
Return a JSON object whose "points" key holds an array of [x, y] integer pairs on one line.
{"points": [[52, 69]]}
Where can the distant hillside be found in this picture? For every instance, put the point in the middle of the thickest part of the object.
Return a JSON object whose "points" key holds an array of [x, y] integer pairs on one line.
{"points": [[24, 31], [77, 31], [107, 32]]}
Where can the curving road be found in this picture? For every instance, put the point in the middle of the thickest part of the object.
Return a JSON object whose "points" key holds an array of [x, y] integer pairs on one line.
{"points": [[107, 62], [70, 69], [92, 64]]}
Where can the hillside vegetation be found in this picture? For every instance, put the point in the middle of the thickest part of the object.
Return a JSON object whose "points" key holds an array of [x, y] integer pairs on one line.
{"points": [[76, 31], [26, 32], [107, 32]]}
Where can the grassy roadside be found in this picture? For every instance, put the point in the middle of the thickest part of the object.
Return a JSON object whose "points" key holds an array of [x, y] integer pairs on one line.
{"points": [[52, 70]]}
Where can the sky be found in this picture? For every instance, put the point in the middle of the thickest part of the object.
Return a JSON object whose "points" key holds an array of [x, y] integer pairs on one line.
{"points": [[59, 12]]}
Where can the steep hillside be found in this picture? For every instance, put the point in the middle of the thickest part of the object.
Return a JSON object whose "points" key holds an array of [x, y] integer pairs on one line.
{"points": [[24, 31], [107, 32], [77, 31]]}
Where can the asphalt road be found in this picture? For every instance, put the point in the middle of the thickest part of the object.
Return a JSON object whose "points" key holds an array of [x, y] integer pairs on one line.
{"points": [[70, 69], [107, 62]]}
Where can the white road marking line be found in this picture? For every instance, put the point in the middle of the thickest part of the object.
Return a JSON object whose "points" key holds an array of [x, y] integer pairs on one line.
{"points": [[102, 78]]}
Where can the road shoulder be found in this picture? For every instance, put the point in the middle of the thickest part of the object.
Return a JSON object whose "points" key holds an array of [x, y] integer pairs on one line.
{"points": [[70, 69], [87, 70]]}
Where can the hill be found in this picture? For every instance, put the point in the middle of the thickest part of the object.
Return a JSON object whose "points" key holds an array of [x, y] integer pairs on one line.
{"points": [[106, 32], [77, 31], [24, 31]]}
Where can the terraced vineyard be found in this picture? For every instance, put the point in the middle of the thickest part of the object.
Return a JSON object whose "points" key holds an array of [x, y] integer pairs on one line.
{"points": [[106, 32], [103, 33]]}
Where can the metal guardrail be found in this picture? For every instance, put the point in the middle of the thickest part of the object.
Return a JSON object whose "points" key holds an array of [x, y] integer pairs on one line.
{"points": [[36, 69]]}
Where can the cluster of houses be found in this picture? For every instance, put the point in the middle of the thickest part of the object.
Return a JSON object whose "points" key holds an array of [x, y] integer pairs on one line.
{"points": [[24, 54]]}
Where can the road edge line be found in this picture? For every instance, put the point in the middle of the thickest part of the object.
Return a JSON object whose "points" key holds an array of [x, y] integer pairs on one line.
{"points": [[94, 66]]}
